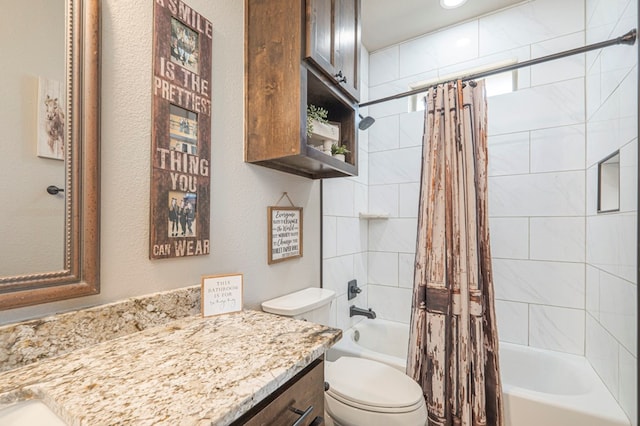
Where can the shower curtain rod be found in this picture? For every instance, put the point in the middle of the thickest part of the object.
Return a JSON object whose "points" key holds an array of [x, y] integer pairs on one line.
{"points": [[629, 38]]}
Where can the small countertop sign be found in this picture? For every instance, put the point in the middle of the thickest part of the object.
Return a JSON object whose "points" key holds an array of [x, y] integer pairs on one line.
{"points": [[221, 294]]}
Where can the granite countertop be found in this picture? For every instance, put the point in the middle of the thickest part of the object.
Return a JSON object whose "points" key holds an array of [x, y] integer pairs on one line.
{"points": [[192, 371]]}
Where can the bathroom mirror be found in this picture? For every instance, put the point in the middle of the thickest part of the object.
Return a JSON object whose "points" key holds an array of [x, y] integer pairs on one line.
{"points": [[50, 119]]}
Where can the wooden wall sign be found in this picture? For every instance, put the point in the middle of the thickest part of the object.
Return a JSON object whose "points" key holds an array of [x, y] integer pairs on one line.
{"points": [[285, 232], [181, 132]]}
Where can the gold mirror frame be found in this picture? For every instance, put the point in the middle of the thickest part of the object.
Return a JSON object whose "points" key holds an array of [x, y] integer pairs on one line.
{"points": [[81, 267]]}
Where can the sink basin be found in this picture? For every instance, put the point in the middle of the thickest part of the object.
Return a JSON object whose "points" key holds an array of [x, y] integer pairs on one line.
{"points": [[33, 412]]}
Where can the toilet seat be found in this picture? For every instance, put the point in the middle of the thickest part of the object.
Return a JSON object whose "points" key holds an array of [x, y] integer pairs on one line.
{"points": [[372, 386]]}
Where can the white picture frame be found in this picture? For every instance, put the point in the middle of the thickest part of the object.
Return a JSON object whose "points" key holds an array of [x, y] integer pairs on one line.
{"points": [[221, 294]]}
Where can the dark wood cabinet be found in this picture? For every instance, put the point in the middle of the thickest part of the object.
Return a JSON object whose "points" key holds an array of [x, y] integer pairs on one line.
{"points": [[300, 399], [280, 83], [333, 41]]}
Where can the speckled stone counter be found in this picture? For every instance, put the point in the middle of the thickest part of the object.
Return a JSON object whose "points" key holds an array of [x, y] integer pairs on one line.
{"points": [[191, 371], [34, 340]]}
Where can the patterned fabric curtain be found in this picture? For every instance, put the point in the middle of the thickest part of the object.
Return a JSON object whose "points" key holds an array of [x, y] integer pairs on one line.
{"points": [[453, 348]]}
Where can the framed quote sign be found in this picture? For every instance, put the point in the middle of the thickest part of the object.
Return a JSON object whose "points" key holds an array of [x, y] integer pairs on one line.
{"points": [[181, 132], [221, 294], [285, 233]]}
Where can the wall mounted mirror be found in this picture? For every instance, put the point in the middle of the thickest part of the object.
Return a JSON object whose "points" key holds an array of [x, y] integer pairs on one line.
{"points": [[50, 138]]}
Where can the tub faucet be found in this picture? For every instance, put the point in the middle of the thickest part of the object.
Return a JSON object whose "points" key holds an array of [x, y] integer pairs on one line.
{"points": [[353, 311]]}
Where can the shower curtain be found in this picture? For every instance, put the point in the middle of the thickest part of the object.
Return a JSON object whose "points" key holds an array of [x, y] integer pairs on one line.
{"points": [[453, 347]]}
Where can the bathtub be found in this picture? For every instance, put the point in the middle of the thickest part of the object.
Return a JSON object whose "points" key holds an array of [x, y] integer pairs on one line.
{"points": [[540, 387]]}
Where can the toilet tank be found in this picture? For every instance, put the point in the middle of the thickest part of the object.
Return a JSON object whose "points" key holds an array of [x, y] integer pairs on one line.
{"points": [[311, 304]]}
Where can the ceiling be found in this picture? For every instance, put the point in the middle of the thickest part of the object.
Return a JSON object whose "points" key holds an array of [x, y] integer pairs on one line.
{"points": [[386, 22]]}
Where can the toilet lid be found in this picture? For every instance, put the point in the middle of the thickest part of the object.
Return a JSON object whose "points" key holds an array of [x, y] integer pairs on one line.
{"points": [[371, 383]]}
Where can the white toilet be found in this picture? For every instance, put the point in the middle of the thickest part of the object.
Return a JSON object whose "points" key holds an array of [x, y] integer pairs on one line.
{"points": [[361, 392]]}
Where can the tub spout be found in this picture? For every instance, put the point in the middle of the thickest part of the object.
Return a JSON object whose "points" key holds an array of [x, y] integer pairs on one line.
{"points": [[353, 311]]}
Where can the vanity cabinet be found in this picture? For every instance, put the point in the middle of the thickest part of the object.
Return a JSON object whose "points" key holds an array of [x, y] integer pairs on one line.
{"points": [[280, 82], [298, 402], [333, 41]]}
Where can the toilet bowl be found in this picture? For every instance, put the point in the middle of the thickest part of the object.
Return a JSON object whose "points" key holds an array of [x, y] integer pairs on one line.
{"points": [[361, 391], [365, 392]]}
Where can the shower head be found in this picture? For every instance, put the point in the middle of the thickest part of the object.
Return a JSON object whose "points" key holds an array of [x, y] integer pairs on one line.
{"points": [[366, 122]]}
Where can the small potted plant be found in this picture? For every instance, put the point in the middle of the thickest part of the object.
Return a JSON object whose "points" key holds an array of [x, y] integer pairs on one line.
{"points": [[315, 115], [319, 129], [339, 151]]}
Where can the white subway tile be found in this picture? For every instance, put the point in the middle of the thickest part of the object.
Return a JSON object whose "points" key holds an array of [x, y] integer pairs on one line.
{"points": [[593, 291], [406, 269], [329, 236], [439, 49], [336, 272], [383, 268], [409, 199], [628, 177], [384, 199], [558, 238], [360, 268], [603, 17], [546, 283], [391, 303], [611, 244], [592, 190], [384, 66], [401, 166], [619, 310], [411, 129], [509, 154], [629, 385], [384, 135], [349, 236], [602, 353], [513, 322], [509, 237], [543, 194], [529, 23], [558, 329], [558, 149], [397, 235], [594, 86], [360, 199], [562, 69], [551, 105], [338, 197]]}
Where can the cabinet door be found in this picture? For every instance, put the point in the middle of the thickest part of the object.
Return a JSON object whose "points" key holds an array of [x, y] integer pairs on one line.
{"points": [[321, 40], [305, 395], [348, 45], [333, 41]]}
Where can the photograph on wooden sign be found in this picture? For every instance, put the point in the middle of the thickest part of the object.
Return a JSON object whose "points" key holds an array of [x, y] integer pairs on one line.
{"points": [[183, 130], [51, 119], [184, 46], [182, 214]]}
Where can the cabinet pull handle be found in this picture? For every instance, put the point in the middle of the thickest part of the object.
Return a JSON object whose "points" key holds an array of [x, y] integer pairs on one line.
{"points": [[53, 190], [317, 421], [303, 414], [340, 78]]}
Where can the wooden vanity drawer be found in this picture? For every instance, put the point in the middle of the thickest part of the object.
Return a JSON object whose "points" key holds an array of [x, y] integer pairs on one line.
{"points": [[303, 391]]}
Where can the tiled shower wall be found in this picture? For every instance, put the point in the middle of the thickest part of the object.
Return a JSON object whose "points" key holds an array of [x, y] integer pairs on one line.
{"points": [[344, 235], [612, 123], [564, 275]]}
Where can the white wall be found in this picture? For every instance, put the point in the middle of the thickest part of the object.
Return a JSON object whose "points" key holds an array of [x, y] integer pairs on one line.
{"points": [[564, 276], [31, 221], [612, 123], [240, 193]]}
